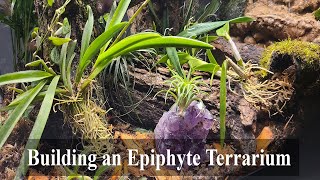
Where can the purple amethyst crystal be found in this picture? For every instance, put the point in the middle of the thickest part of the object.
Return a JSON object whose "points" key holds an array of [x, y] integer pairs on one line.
{"points": [[183, 132]]}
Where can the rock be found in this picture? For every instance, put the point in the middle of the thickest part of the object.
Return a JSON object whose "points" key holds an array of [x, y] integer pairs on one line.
{"points": [[280, 20], [247, 113], [249, 40]]}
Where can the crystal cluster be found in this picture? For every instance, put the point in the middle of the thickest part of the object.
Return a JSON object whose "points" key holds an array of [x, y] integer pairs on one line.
{"points": [[183, 132]]}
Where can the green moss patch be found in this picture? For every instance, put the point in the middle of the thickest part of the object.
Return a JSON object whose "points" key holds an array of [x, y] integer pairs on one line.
{"points": [[306, 52]]}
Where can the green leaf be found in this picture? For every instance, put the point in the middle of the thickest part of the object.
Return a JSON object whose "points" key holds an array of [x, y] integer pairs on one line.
{"points": [[64, 64], [211, 57], [243, 19], [58, 41], [140, 41], [100, 171], [119, 13], [166, 41], [70, 50], [188, 13], [223, 102], [39, 62], [95, 47], [21, 96], [38, 127], [70, 56], [23, 76], [55, 56], [87, 32], [195, 62], [208, 39], [211, 9], [66, 27], [182, 56], [125, 43], [224, 31], [174, 59], [201, 28], [210, 68], [16, 114], [50, 2]]}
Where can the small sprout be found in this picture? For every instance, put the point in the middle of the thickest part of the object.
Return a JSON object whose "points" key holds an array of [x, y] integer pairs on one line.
{"points": [[59, 41]]}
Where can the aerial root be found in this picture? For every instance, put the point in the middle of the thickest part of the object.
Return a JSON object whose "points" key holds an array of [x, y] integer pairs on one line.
{"points": [[269, 95], [87, 118]]}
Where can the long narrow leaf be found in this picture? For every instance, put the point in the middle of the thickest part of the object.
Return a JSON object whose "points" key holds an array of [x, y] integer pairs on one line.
{"points": [[37, 99], [16, 114], [166, 41], [122, 48], [211, 9], [175, 61], [64, 64], [124, 44], [201, 28], [87, 32], [95, 47], [38, 127], [23, 76], [120, 12], [211, 57], [223, 102]]}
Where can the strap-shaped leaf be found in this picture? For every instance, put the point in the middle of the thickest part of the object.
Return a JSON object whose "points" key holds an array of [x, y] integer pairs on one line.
{"points": [[119, 13], [95, 47], [166, 41], [38, 98], [201, 28], [38, 127], [16, 114], [122, 48], [23, 76], [211, 57], [211, 9], [182, 56], [125, 44], [242, 19], [223, 102], [87, 32], [174, 59]]}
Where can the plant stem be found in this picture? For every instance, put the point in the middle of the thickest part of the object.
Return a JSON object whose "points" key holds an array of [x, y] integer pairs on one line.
{"points": [[235, 52], [236, 68]]}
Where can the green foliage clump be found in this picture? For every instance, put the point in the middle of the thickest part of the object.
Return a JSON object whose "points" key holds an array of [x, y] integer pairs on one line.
{"points": [[307, 52]]}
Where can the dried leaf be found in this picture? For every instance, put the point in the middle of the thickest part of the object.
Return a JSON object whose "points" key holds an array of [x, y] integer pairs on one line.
{"points": [[146, 140], [264, 139], [131, 143], [116, 173], [34, 175], [165, 174], [226, 150]]}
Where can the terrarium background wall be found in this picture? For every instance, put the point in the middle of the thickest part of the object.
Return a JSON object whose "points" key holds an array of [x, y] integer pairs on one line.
{"points": [[6, 56]]}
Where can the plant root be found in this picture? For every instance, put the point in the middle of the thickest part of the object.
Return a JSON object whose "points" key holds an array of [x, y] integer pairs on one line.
{"points": [[88, 119], [270, 95]]}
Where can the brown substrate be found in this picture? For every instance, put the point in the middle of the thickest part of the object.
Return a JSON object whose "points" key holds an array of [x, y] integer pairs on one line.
{"points": [[279, 20]]}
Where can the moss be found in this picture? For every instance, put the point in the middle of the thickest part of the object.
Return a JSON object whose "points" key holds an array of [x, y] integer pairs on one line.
{"points": [[308, 53]]}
